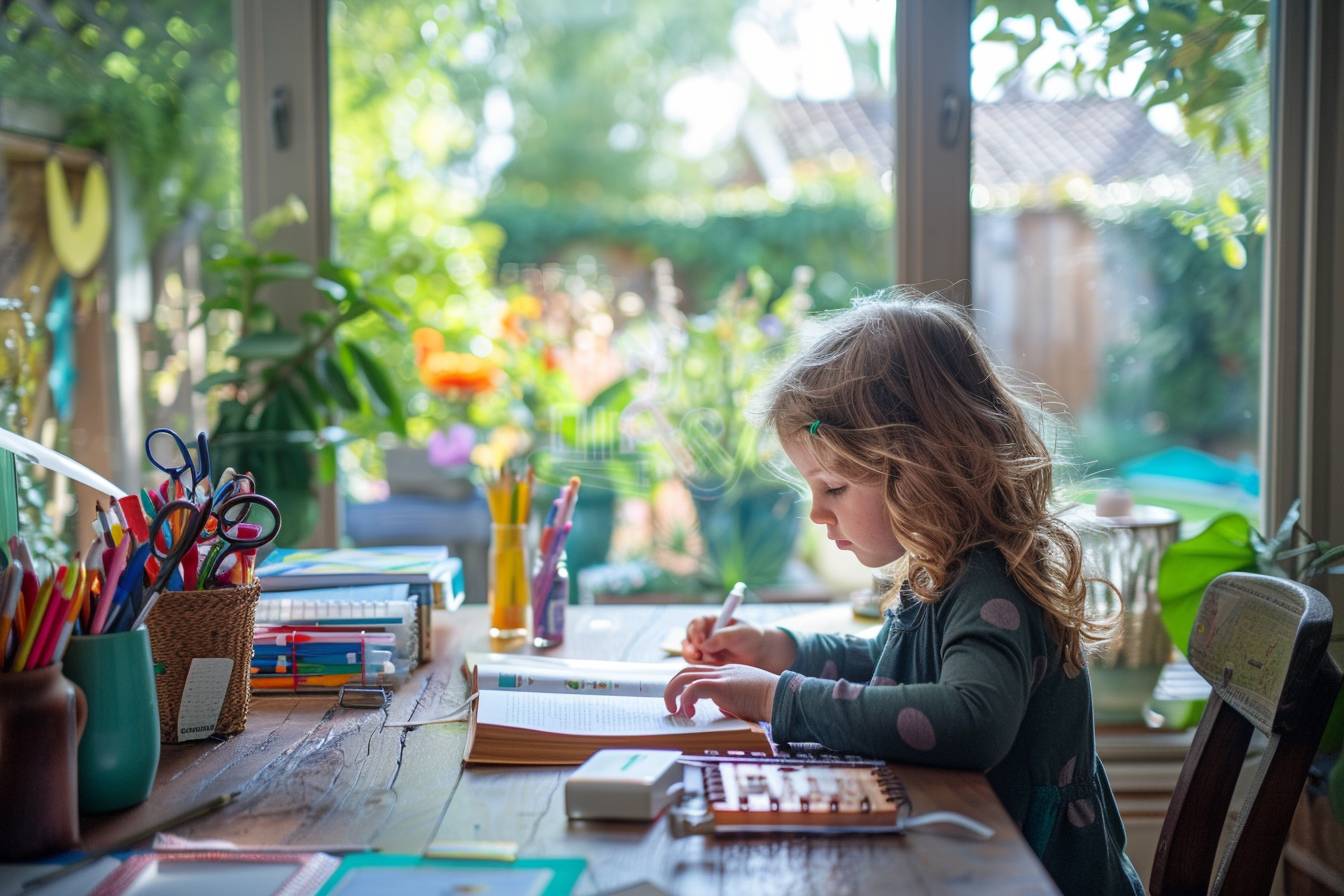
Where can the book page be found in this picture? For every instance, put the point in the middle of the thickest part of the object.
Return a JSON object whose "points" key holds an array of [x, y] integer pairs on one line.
{"points": [[585, 714]]}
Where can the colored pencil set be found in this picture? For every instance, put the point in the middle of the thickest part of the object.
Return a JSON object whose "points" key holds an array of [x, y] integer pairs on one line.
{"points": [[508, 492], [39, 613], [88, 595]]}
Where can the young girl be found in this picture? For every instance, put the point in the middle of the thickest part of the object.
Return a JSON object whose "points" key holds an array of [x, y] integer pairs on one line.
{"points": [[916, 451]]}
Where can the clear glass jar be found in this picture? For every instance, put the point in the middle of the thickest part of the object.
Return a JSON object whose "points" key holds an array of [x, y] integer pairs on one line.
{"points": [[510, 593], [548, 604]]}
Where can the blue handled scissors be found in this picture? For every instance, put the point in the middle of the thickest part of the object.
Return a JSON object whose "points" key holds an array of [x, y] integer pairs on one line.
{"points": [[230, 514], [183, 462]]}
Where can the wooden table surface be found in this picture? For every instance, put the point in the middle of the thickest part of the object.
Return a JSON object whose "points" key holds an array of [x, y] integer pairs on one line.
{"points": [[313, 773]]}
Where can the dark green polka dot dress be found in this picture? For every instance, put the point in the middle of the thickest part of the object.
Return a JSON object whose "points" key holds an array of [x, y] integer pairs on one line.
{"points": [[971, 681]]}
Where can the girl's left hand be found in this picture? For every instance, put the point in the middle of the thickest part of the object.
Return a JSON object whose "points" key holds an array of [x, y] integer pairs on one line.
{"points": [[742, 691]]}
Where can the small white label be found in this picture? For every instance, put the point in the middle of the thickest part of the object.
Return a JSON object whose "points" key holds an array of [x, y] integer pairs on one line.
{"points": [[202, 697]]}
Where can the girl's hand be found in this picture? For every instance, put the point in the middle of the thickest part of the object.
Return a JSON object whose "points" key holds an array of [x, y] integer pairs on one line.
{"points": [[742, 691], [738, 642]]}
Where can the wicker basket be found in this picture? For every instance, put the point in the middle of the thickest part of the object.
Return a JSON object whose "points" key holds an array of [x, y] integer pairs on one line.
{"points": [[187, 625]]}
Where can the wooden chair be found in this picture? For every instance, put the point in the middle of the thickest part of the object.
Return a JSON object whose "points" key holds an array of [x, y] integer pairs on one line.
{"points": [[1260, 642]]}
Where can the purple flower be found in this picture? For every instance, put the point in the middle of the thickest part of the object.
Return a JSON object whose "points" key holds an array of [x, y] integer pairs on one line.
{"points": [[771, 326], [453, 448]]}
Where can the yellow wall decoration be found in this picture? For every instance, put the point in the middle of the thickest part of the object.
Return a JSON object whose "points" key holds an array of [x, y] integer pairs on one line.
{"points": [[78, 241]]}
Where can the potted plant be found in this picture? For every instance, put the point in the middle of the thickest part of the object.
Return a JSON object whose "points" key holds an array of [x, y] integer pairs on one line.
{"points": [[279, 388], [749, 519]]}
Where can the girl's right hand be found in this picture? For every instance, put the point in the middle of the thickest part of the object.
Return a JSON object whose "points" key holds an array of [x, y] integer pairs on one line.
{"points": [[737, 642]]}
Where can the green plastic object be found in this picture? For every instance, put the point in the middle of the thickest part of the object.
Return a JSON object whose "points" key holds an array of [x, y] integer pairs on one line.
{"points": [[1335, 788], [9, 496], [1189, 566], [1333, 738]]}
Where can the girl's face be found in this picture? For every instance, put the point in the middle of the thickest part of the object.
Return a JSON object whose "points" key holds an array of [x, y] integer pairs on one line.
{"points": [[854, 514]]}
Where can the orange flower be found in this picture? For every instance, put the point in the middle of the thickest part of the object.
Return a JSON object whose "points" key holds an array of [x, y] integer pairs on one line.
{"points": [[426, 341], [454, 373]]}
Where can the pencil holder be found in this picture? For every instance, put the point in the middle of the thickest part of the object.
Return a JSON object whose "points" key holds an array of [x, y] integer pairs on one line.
{"points": [[549, 596], [119, 752], [202, 646], [510, 594], [41, 719]]}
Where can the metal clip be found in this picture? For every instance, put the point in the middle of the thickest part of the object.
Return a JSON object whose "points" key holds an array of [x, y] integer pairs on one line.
{"points": [[363, 696]]}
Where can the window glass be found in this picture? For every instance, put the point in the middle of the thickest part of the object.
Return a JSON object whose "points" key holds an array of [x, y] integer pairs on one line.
{"points": [[590, 204], [1119, 157]]}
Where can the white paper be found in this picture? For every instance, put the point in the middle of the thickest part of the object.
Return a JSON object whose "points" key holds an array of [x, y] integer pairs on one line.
{"points": [[33, 453], [584, 714], [202, 697], [1249, 658]]}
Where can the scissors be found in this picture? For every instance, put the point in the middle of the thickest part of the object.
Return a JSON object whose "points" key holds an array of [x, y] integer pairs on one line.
{"points": [[173, 543], [198, 468], [234, 535]]}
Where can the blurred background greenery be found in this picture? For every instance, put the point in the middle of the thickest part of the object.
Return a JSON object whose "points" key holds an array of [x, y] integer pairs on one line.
{"points": [[490, 151]]}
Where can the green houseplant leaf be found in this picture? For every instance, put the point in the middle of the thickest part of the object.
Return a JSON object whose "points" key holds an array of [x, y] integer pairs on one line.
{"points": [[380, 386], [1187, 567], [220, 378], [273, 346]]}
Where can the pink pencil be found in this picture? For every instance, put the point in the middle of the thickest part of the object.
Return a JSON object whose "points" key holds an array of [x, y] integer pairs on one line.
{"points": [[63, 634], [110, 586], [51, 623], [573, 499]]}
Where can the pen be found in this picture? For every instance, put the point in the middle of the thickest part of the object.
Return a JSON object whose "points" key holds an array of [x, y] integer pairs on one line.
{"points": [[126, 843], [730, 604]]}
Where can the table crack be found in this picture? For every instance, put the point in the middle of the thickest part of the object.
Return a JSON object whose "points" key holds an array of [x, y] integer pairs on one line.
{"points": [[545, 810]]}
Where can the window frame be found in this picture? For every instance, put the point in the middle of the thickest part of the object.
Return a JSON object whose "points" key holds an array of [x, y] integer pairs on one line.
{"points": [[284, 47]]}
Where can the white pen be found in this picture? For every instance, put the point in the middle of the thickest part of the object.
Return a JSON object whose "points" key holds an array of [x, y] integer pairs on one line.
{"points": [[729, 607]]}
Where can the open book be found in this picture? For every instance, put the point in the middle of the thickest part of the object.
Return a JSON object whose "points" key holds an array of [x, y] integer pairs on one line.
{"points": [[550, 711]]}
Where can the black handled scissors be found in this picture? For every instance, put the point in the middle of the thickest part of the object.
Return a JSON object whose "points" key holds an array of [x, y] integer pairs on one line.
{"points": [[236, 531], [180, 462], [173, 546]]}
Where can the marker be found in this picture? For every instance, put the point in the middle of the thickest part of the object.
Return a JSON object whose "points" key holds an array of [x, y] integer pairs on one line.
{"points": [[730, 604]]}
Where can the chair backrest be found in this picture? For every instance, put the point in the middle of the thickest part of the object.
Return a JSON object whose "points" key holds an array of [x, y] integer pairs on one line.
{"points": [[1260, 642]]}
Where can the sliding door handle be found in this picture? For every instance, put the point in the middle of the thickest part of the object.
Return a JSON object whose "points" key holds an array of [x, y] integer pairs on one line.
{"points": [[950, 115]]}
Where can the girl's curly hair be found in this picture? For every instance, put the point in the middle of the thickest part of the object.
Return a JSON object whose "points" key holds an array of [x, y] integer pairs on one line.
{"points": [[906, 394]]}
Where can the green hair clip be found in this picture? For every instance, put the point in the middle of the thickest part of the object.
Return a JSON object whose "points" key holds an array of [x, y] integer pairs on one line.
{"points": [[814, 426]]}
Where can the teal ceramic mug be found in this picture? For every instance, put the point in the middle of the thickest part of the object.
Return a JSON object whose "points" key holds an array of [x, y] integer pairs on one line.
{"points": [[119, 752]]}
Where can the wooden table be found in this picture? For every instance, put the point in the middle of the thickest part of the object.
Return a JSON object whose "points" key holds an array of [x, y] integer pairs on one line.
{"points": [[313, 773]]}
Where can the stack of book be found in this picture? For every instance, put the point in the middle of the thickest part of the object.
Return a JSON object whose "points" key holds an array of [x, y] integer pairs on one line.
{"points": [[319, 584]]}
